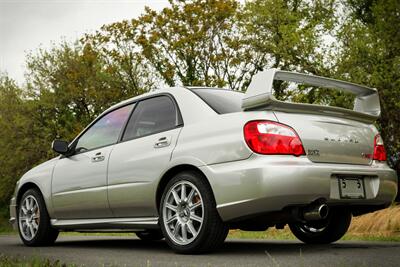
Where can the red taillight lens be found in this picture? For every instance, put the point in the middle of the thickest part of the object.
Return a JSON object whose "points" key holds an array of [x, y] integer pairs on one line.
{"points": [[267, 137], [379, 149]]}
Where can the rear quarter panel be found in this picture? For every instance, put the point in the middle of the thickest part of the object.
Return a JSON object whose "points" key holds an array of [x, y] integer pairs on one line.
{"points": [[218, 138]]}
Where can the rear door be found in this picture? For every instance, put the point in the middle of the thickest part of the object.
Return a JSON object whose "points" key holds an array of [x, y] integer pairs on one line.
{"points": [[332, 139], [138, 161]]}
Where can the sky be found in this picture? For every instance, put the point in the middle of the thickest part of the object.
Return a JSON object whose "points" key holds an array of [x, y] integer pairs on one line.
{"points": [[26, 25]]}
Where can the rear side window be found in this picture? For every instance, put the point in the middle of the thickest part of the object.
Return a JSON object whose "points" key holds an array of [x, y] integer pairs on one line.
{"points": [[220, 100], [151, 116]]}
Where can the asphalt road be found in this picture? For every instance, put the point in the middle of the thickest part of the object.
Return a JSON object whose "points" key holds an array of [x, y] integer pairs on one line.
{"points": [[126, 251]]}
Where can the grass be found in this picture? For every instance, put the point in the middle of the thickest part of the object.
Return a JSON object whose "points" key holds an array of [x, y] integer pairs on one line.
{"points": [[7, 261], [273, 234], [285, 234]]}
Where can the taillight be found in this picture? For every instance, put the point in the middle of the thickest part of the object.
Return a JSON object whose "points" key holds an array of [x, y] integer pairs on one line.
{"points": [[379, 149], [267, 137]]}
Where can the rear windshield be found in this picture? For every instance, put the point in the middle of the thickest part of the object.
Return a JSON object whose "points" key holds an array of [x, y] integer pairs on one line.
{"points": [[221, 100]]}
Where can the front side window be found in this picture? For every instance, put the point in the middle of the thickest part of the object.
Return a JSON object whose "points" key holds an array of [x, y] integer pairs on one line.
{"points": [[105, 131], [152, 116]]}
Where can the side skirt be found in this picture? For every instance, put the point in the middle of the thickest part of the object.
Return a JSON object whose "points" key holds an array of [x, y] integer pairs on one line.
{"points": [[106, 223]]}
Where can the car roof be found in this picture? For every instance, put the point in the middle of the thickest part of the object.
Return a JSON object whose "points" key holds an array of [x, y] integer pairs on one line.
{"points": [[145, 95]]}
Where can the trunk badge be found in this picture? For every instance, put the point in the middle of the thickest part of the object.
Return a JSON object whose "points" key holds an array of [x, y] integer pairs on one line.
{"points": [[342, 140]]}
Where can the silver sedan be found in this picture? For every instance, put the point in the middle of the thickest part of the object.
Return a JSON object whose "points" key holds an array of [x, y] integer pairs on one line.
{"points": [[188, 164]]}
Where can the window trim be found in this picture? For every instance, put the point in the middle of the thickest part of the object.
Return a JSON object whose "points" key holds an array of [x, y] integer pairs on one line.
{"points": [[179, 122], [133, 102]]}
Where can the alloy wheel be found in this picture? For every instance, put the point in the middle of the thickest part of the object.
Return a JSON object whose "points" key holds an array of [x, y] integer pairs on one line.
{"points": [[29, 217], [183, 212]]}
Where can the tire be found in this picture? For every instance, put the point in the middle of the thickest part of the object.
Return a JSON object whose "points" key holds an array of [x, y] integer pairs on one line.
{"points": [[150, 235], [324, 231], [196, 215], [35, 230]]}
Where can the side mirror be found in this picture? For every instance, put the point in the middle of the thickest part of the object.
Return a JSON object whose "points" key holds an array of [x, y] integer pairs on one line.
{"points": [[60, 146]]}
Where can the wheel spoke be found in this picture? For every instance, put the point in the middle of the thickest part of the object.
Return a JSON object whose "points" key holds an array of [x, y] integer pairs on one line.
{"points": [[27, 205], [191, 228], [190, 196], [31, 231], [176, 229], [35, 225], [30, 203], [183, 192], [196, 218], [176, 197], [195, 205], [171, 207], [173, 218], [184, 233], [34, 208], [24, 210]]}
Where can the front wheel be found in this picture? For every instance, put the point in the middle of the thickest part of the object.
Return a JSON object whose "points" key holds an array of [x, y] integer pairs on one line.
{"points": [[189, 219], [323, 231], [34, 221]]}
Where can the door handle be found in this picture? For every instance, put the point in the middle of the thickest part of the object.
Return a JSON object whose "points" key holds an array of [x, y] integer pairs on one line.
{"points": [[98, 157], [162, 142]]}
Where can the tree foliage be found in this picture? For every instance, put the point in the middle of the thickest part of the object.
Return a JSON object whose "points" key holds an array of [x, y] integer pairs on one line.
{"points": [[67, 87], [289, 36], [22, 144], [371, 56], [192, 43]]}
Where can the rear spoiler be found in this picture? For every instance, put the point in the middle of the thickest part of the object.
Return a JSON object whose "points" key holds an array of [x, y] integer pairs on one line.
{"points": [[259, 95]]}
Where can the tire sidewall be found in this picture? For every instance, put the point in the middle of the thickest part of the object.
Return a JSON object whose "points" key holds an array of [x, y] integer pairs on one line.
{"points": [[337, 225]]}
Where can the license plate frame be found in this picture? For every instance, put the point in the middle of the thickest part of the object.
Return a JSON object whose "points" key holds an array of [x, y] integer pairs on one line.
{"points": [[351, 187]]}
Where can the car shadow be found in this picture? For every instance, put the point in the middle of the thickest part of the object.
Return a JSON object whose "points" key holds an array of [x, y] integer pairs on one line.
{"points": [[230, 247]]}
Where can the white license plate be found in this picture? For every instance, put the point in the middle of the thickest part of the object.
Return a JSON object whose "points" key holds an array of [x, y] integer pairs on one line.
{"points": [[351, 187]]}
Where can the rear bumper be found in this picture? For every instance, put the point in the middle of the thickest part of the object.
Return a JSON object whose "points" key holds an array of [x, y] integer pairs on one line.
{"points": [[270, 183], [13, 213]]}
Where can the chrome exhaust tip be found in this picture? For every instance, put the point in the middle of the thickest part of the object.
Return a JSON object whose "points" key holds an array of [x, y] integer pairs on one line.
{"points": [[316, 212]]}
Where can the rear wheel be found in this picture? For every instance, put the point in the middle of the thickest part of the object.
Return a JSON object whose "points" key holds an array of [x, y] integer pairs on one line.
{"points": [[150, 235], [189, 219], [34, 221], [323, 231]]}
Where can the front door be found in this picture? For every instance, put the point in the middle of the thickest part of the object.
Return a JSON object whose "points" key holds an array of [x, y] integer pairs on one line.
{"points": [[79, 184]]}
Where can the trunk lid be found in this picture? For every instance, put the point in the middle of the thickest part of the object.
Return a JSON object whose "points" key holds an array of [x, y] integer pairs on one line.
{"points": [[332, 140]]}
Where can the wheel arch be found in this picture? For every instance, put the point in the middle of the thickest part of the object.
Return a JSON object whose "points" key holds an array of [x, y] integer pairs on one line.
{"points": [[168, 175], [25, 187]]}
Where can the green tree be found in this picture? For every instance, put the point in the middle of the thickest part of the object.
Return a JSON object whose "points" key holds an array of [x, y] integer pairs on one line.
{"points": [[67, 87], [370, 55], [289, 34], [21, 139], [193, 43], [74, 83]]}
